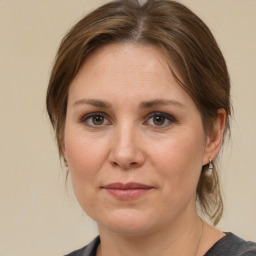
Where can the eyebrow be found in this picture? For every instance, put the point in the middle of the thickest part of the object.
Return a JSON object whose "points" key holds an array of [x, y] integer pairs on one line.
{"points": [[159, 102], [93, 102], [144, 104]]}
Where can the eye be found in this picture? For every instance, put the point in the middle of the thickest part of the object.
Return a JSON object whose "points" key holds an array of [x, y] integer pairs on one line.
{"points": [[160, 119], [95, 119]]}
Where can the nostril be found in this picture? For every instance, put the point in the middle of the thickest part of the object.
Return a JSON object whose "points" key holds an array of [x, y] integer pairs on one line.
{"points": [[114, 163], [125, 165], [126, 157]]}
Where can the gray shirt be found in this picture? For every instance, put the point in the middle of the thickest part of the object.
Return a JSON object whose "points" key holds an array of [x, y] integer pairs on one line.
{"points": [[229, 245]]}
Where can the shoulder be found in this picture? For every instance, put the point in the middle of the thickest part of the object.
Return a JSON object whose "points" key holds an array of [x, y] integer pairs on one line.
{"points": [[232, 245], [88, 250]]}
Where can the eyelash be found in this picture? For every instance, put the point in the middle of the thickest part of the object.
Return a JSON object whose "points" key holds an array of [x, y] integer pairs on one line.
{"points": [[85, 119], [167, 118]]}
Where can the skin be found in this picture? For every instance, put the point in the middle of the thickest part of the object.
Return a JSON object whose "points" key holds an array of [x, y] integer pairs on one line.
{"points": [[127, 88]]}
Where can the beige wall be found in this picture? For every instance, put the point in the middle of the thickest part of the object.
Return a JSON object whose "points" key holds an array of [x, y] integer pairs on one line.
{"points": [[37, 215]]}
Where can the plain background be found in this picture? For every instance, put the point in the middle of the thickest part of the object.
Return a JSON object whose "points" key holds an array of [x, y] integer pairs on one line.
{"points": [[38, 216]]}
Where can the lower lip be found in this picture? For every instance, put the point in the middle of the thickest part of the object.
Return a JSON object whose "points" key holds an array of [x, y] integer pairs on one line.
{"points": [[128, 194]]}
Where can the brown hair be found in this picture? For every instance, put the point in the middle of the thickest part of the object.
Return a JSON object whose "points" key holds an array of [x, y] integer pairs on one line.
{"points": [[187, 42]]}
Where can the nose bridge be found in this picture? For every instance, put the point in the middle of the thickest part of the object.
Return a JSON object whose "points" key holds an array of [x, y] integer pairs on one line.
{"points": [[126, 150]]}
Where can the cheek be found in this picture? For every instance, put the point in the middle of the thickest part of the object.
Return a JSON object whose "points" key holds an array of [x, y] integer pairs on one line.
{"points": [[180, 160], [84, 152], [85, 161], [85, 158]]}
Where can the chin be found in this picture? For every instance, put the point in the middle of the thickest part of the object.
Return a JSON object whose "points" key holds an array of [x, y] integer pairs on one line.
{"points": [[128, 222]]}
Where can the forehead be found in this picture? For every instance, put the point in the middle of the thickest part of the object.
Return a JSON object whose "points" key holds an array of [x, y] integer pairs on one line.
{"points": [[123, 58], [129, 70]]}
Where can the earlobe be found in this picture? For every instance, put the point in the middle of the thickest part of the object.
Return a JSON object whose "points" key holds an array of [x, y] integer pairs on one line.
{"points": [[214, 140], [64, 155], [65, 161]]}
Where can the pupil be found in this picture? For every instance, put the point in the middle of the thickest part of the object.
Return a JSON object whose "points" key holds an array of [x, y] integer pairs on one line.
{"points": [[159, 120], [97, 120]]}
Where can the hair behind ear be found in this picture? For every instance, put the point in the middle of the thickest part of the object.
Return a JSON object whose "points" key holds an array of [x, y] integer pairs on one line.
{"points": [[209, 194]]}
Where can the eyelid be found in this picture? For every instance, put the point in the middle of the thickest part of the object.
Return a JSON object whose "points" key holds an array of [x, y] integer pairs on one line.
{"points": [[159, 113], [169, 117], [85, 117]]}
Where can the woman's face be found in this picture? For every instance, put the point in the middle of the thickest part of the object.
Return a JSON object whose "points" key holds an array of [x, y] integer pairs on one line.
{"points": [[134, 140]]}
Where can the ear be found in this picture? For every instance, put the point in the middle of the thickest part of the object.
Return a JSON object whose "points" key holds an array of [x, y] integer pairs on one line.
{"points": [[215, 138], [64, 154], [65, 161]]}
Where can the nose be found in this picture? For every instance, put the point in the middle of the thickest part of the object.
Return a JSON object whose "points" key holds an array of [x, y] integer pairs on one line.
{"points": [[126, 149]]}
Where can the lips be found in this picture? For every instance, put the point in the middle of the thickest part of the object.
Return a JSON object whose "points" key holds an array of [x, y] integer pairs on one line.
{"points": [[128, 191]]}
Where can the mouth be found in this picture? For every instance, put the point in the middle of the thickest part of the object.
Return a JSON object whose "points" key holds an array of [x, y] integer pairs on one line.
{"points": [[128, 191]]}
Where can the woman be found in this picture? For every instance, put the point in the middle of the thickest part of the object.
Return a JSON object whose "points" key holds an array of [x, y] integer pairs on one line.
{"points": [[139, 97]]}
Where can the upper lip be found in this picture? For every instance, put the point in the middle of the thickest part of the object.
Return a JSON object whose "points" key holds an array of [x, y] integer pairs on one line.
{"points": [[130, 185]]}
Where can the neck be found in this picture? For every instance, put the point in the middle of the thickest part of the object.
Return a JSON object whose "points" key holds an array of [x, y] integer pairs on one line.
{"points": [[182, 238]]}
